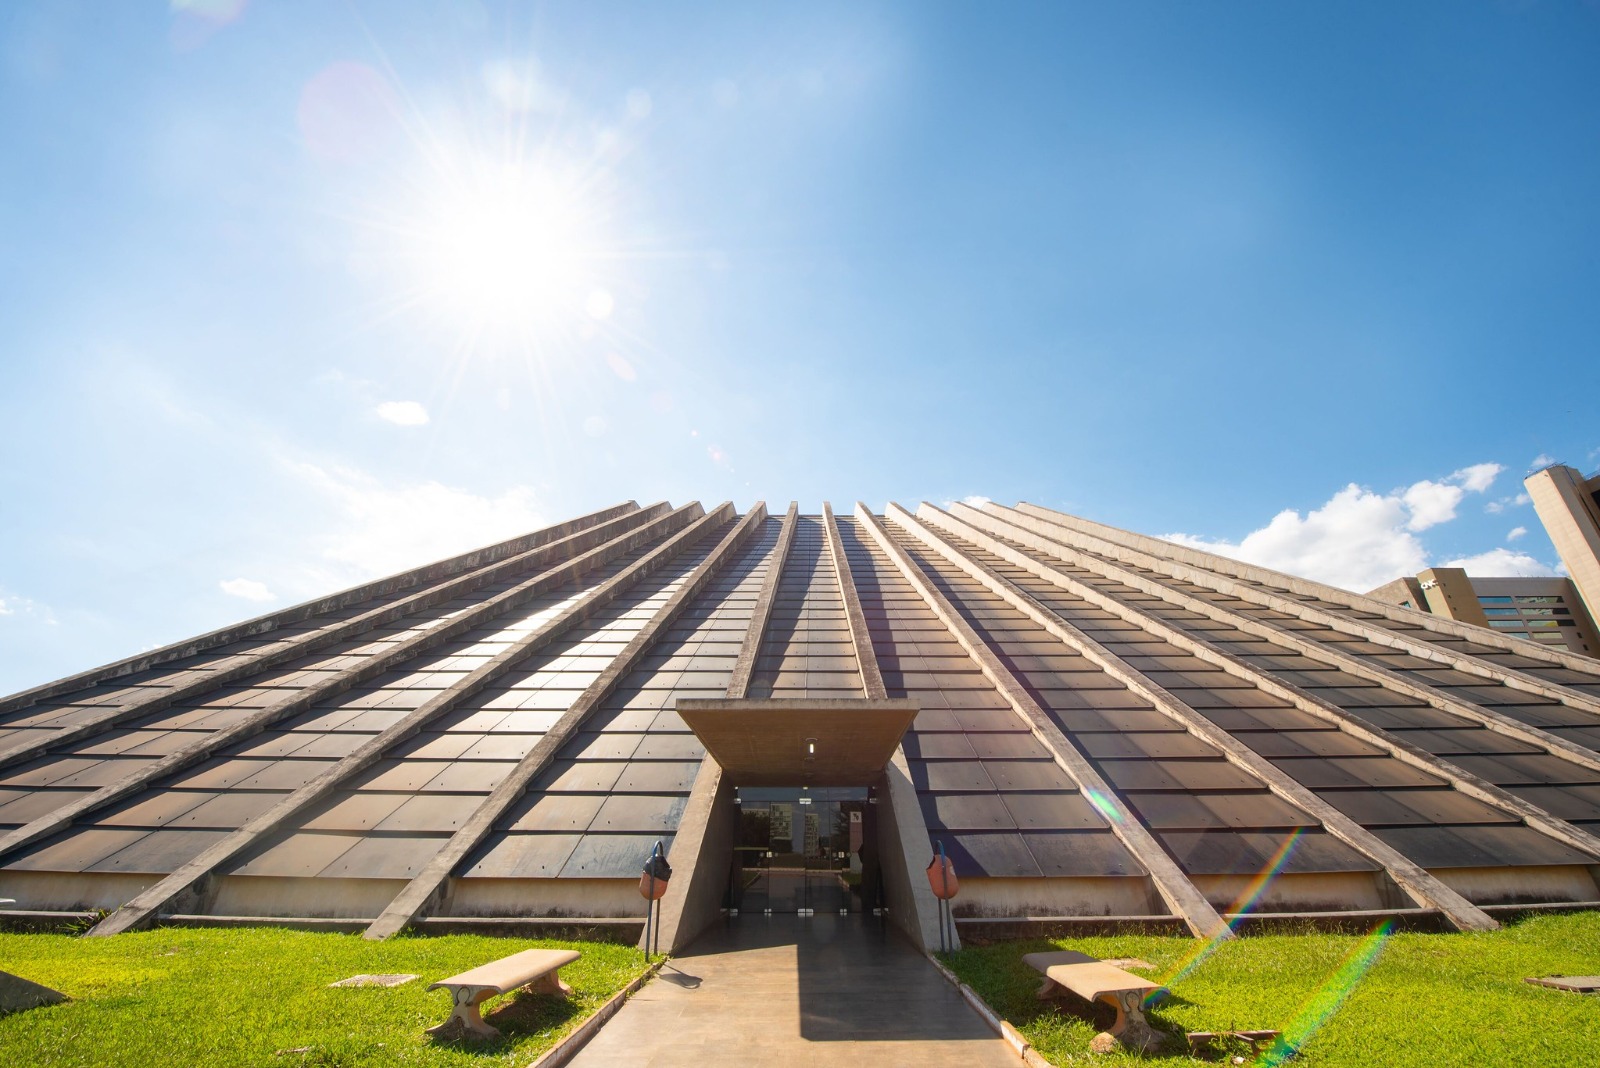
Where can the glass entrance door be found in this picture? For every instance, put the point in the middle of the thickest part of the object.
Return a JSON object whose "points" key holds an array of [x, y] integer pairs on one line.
{"points": [[802, 852]]}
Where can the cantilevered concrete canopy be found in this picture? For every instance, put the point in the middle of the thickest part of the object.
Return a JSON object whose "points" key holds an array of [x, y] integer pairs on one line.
{"points": [[799, 741]]}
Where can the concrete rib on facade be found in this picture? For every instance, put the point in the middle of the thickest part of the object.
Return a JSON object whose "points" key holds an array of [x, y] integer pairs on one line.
{"points": [[1107, 726]]}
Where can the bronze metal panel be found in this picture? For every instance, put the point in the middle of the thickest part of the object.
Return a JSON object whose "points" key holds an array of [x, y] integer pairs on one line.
{"points": [[1015, 745], [159, 852], [1589, 737], [153, 808], [1321, 773], [553, 812], [228, 811], [940, 745], [773, 743], [74, 851], [1199, 812], [470, 777], [1465, 740], [1480, 847], [1563, 802], [1530, 769], [1081, 853], [1053, 812], [1263, 719], [47, 770], [1537, 715], [1010, 775], [220, 774], [284, 775], [1177, 775], [1309, 743], [1073, 720], [664, 746], [578, 776], [1413, 807], [1250, 853], [355, 811], [657, 777], [639, 814], [612, 856], [998, 854], [399, 776], [1401, 717], [300, 855], [388, 856], [610, 745], [950, 775], [431, 813], [1145, 744], [977, 720], [522, 856], [501, 746], [965, 812], [27, 806]]}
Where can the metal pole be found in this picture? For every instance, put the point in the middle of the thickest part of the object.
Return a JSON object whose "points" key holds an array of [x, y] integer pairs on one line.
{"points": [[649, 914], [943, 945]]}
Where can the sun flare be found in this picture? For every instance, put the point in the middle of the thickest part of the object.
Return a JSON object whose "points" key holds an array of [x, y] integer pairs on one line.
{"points": [[509, 249]]}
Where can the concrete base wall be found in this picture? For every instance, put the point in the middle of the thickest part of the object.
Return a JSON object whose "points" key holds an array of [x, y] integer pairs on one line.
{"points": [[903, 851], [71, 892], [261, 895], [982, 896], [1340, 891], [543, 897], [1518, 886], [687, 912]]}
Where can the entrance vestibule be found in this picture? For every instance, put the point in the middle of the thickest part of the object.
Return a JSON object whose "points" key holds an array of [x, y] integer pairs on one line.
{"points": [[805, 851]]}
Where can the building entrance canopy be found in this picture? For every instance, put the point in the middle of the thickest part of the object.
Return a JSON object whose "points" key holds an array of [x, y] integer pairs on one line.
{"points": [[799, 742]]}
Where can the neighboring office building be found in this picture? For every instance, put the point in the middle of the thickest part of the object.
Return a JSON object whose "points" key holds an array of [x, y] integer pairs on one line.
{"points": [[1546, 610], [1091, 723], [1569, 507]]}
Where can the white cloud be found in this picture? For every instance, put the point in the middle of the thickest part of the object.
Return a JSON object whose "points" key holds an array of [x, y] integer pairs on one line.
{"points": [[1431, 503], [1516, 532], [12, 604], [403, 413], [380, 528], [1502, 563], [1358, 540], [1477, 477], [249, 589], [1544, 459]]}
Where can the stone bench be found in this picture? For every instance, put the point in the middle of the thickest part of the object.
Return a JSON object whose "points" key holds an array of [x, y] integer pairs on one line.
{"points": [[535, 969], [1093, 979]]}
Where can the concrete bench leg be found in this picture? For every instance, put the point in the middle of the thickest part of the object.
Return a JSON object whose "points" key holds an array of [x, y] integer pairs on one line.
{"points": [[464, 1021], [550, 983], [1131, 1029]]}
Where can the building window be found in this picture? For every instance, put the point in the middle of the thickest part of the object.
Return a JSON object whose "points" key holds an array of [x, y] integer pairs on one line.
{"points": [[1494, 600]]}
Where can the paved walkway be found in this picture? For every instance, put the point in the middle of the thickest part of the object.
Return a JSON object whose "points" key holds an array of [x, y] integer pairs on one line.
{"points": [[799, 993]]}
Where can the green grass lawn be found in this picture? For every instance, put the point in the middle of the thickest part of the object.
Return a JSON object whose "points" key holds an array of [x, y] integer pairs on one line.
{"points": [[198, 997], [1424, 1000]]}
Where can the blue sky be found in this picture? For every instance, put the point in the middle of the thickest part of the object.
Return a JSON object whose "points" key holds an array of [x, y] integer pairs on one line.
{"points": [[296, 293]]}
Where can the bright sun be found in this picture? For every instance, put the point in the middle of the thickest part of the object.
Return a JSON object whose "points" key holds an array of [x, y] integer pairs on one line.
{"points": [[512, 248]]}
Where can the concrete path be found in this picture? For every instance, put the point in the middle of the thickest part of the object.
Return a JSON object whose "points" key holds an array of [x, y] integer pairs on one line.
{"points": [[798, 993]]}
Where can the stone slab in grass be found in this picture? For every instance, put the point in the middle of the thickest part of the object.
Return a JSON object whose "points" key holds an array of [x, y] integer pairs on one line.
{"points": [[1579, 984], [393, 979]]}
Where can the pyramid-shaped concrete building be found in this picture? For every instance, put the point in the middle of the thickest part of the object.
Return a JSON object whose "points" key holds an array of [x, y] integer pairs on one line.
{"points": [[1094, 725]]}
